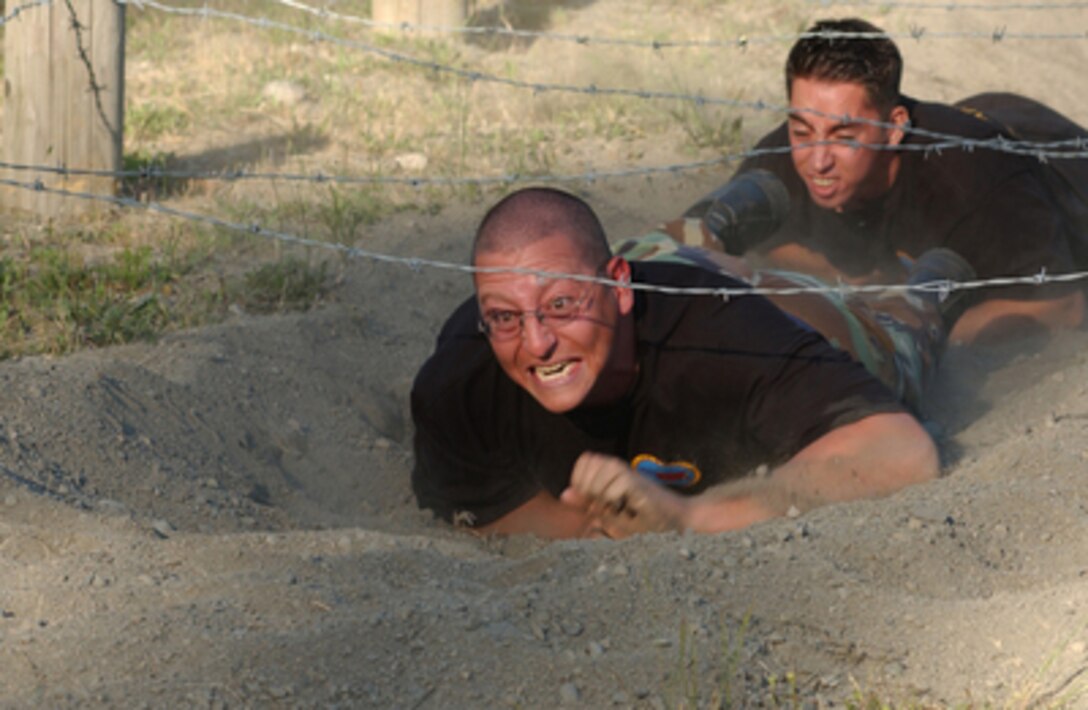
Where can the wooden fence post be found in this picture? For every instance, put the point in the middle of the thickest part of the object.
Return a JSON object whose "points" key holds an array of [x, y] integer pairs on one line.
{"points": [[63, 101], [435, 13]]}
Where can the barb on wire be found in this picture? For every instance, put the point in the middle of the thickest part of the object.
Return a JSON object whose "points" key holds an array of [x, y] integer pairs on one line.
{"points": [[416, 263]]}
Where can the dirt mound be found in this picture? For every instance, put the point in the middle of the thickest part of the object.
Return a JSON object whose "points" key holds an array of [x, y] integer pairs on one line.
{"points": [[224, 519]]}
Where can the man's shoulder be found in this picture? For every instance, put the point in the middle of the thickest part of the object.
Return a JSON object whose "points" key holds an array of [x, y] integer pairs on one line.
{"points": [[679, 274], [671, 291], [949, 173], [719, 311], [946, 120]]}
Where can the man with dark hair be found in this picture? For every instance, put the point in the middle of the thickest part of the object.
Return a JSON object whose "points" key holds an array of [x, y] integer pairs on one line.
{"points": [[565, 406], [874, 183]]}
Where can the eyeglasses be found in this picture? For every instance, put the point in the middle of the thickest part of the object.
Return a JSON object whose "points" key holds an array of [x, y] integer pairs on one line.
{"points": [[505, 324]]}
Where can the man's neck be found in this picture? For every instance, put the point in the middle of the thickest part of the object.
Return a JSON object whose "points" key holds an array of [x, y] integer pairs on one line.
{"points": [[621, 373]]}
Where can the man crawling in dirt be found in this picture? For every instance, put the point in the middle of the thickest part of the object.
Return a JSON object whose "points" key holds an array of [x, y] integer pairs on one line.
{"points": [[876, 178], [573, 397]]}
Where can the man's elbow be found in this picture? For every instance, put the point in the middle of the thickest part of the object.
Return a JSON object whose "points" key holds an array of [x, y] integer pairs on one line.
{"points": [[927, 464], [909, 455]]}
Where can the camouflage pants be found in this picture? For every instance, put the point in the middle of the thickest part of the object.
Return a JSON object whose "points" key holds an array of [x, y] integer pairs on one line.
{"points": [[897, 336]]}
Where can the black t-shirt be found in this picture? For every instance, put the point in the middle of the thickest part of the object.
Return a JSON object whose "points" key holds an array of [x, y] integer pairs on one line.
{"points": [[993, 208], [723, 387]]}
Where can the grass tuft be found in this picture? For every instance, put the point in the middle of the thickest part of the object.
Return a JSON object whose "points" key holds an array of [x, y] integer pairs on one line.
{"points": [[290, 283]]}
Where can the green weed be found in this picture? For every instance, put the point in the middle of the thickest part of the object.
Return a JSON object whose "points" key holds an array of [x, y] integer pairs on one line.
{"points": [[709, 127], [290, 283], [148, 121], [54, 302]]}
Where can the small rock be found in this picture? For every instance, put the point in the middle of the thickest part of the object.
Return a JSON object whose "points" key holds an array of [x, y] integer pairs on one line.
{"points": [[162, 528], [572, 627], [687, 554], [569, 693], [111, 507], [285, 93], [411, 162], [594, 649]]}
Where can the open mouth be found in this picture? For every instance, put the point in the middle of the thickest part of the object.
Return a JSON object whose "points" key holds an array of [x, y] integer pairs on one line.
{"points": [[556, 371]]}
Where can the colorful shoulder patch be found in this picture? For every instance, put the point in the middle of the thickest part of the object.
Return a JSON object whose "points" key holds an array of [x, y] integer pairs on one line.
{"points": [[675, 474]]}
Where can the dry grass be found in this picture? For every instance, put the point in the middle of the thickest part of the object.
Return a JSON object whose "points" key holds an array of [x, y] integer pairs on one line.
{"points": [[201, 96]]}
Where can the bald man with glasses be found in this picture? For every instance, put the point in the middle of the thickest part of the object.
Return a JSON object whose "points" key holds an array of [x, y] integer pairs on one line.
{"points": [[564, 406]]}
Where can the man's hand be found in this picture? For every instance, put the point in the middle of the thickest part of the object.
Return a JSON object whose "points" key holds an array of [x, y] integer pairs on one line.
{"points": [[620, 500]]}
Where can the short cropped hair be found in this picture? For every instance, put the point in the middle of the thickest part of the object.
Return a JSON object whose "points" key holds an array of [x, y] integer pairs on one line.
{"points": [[875, 63], [535, 213]]}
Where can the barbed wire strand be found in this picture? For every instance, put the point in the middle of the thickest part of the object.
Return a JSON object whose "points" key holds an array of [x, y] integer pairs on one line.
{"points": [[417, 264], [154, 172], [740, 42], [21, 9], [999, 143], [584, 39]]}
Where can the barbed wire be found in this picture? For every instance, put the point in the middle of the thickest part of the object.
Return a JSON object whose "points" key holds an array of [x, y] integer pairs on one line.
{"points": [[152, 172], [941, 287], [416, 263], [22, 8], [906, 4], [915, 32], [999, 143]]}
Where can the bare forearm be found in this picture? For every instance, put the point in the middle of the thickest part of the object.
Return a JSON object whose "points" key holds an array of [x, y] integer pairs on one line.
{"points": [[871, 458], [999, 319]]}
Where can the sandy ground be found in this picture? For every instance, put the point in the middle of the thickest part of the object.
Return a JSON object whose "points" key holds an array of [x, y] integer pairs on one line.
{"points": [[223, 519]]}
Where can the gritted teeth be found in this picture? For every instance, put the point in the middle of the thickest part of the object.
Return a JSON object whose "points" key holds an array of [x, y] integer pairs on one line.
{"points": [[549, 372]]}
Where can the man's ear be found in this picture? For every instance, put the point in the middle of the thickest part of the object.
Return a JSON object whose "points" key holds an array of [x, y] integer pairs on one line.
{"points": [[619, 269], [900, 117]]}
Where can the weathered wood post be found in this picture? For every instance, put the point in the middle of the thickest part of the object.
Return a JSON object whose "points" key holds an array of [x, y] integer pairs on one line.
{"points": [[63, 101], [434, 13]]}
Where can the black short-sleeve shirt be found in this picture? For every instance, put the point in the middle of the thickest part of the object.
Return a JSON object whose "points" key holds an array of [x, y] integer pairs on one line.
{"points": [[723, 387]]}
